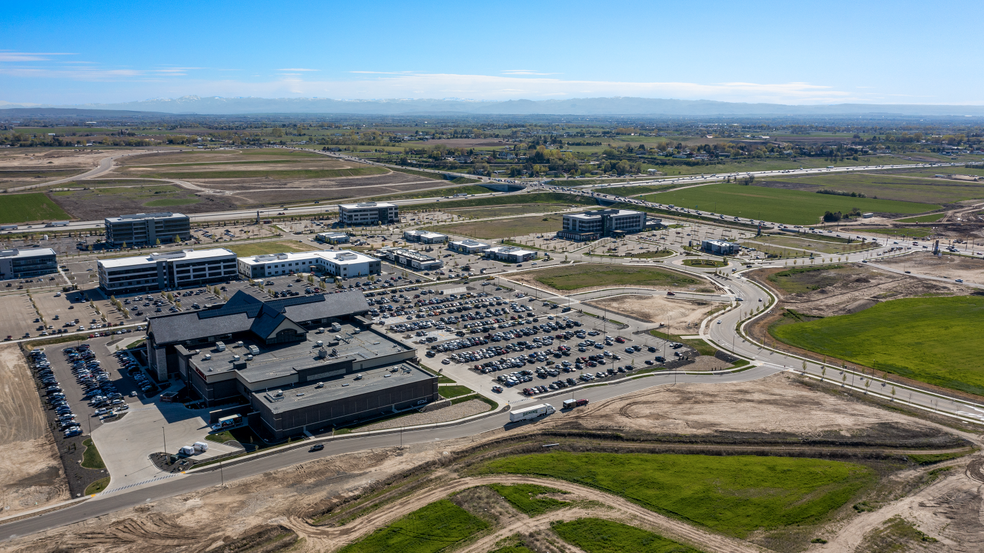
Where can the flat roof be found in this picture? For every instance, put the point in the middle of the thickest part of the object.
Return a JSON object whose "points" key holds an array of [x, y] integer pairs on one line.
{"points": [[152, 259], [425, 233], [142, 216], [509, 249], [279, 360], [602, 212], [342, 257], [412, 254], [375, 379], [366, 205], [32, 252], [470, 242]]}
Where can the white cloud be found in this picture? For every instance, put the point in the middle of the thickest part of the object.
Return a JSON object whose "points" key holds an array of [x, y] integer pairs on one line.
{"points": [[10, 56], [299, 70], [525, 72]]}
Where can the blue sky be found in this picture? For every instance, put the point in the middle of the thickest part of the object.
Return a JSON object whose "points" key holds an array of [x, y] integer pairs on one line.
{"points": [[66, 53]]}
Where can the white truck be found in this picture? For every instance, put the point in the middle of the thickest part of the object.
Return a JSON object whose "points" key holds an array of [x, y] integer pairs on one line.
{"points": [[186, 451], [531, 412], [200, 447]]}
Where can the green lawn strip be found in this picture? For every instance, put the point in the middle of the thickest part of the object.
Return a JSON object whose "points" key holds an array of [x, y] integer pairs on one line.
{"points": [[649, 255], [261, 248], [445, 379], [524, 497], [931, 218], [793, 207], [25, 208], [451, 392], [933, 340], [704, 263], [595, 535], [433, 528], [431, 193], [273, 174], [90, 457], [734, 495], [584, 275], [97, 486], [700, 346], [636, 190]]}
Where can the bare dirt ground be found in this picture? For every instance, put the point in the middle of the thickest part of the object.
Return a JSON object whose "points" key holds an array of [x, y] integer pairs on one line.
{"points": [[948, 510], [58, 159], [529, 278], [657, 309], [947, 266], [32, 474]]}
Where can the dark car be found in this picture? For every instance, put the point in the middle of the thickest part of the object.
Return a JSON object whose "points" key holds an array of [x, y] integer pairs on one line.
{"points": [[317, 447]]}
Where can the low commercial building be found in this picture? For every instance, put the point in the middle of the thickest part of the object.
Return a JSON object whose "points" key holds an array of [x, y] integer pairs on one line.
{"points": [[411, 258], [468, 246], [424, 237], [166, 271], [343, 263], [145, 229], [510, 254], [368, 213], [27, 263], [720, 247], [303, 363], [333, 238], [592, 225]]}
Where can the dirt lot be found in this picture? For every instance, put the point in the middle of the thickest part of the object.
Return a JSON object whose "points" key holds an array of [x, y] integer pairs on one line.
{"points": [[18, 168], [657, 309], [949, 509], [32, 474], [947, 266]]}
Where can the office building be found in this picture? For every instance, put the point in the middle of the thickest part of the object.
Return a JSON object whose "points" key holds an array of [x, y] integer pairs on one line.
{"points": [[145, 229], [333, 238], [27, 263], [592, 225], [720, 247], [411, 259], [424, 237], [342, 264], [468, 246], [368, 213], [166, 271], [510, 254]]}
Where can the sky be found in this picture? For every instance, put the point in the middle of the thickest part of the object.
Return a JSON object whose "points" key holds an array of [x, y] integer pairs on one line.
{"points": [[860, 51]]}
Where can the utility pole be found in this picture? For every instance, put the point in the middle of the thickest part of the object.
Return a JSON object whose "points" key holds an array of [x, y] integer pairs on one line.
{"points": [[165, 440]]}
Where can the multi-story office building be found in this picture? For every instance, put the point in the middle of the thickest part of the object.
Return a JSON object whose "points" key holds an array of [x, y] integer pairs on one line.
{"points": [[145, 229], [368, 213], [164, 271], [592, 225], [342, 264], [27, 263]]}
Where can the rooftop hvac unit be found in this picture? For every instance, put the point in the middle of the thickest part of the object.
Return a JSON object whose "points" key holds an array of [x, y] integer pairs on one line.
{"points": [[322, 353], [219, 346], [239, 344], [207, 356], [235, 358]]}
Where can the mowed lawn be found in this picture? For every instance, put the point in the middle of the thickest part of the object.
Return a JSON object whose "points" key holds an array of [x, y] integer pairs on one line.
{"points": [[262, 248], [27, 208], [732, 495], [427, 530], [794, 207], [933, 340], [585, 275]]}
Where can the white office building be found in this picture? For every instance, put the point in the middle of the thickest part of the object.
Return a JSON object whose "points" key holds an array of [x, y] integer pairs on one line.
{"points": [[368, 213], [27, 263], [412, 259], [424, 236], [333, 237], [164, 271], [510, 254], [592, 225], [343, 263], [468, 246]]}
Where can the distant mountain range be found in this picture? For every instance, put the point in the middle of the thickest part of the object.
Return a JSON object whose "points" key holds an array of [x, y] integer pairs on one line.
{"points": [[195, 105]]}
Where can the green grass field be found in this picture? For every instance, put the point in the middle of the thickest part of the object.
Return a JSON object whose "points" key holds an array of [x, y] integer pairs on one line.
{"points": [[28, 208], [584, 275], [524, 497], [434, 528], [931, 218], [801, 280], [707, 263], [933, 340], [595, 535], [888, 186], [504, 228], [792, 207], [261, 248], [451, 392], [732, 495], [515, 199]]}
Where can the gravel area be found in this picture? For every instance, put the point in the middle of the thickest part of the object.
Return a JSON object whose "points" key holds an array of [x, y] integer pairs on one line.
{"points": [[459, 411]]}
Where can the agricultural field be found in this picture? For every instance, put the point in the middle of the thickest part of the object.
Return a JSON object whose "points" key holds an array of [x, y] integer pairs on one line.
{"points": [[732, 495], [503, 228], [932, 340], [29, 208], [262, 248], [794, 207], [587, 275], [428, 530], [900, 186], [595, 535]]}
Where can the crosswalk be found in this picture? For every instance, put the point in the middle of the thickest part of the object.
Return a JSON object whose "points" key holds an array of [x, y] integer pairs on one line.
{"points": [[135, 484]]}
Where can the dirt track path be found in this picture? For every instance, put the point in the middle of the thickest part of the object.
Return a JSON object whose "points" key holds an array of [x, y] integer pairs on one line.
{"points": [[615, 508]]}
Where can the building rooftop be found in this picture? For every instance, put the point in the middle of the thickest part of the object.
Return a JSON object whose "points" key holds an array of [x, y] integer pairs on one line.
{"points": [[366, 205], [601, 212], [32, 252], [412, 254], [280, 400], [509, 249], [426, 234], [138, 216], [342, 257], [470, 242], [152, 259]]}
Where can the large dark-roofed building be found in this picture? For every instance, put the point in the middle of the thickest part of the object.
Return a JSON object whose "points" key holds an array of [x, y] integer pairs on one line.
{"points": [[303, 363]]}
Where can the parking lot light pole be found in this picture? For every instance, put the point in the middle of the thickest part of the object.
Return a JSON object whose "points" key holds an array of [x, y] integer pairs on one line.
{"points": [[165, 440]]}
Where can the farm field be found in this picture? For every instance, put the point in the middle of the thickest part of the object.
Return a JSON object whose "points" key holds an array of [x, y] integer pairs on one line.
{"points": [[27, 208], [503, 228], [932, 340], [427, 530], [261, 248], [901, 186], [586, 275], [794, 207], [103, 201], [732, 495], [595, 535]]}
